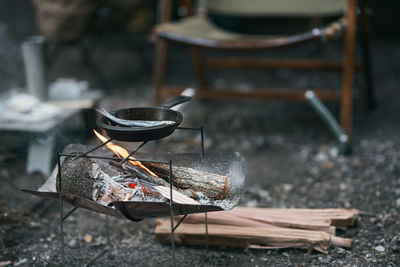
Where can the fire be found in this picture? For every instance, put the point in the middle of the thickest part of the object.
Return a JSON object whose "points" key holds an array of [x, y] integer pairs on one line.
{"points": [[123, 153], [127, 197]]}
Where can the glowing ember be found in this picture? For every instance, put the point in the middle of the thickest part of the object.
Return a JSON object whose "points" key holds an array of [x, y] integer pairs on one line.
{"points": [[123, 153], [132, 185], [127, 197]]}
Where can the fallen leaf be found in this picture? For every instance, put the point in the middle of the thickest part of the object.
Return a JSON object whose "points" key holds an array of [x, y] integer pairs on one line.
{"points": [[88, 238]]}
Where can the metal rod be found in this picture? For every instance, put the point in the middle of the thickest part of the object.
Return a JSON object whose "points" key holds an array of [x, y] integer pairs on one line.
{"points": [[93, 149], [95, 257], [180, 221], [116, 158], [188, 128], [206, 224], [171, 209], [201, 129], [108, 231], [326, 116], [61, 210], [133, 152], [69, 213], [202, 141]]}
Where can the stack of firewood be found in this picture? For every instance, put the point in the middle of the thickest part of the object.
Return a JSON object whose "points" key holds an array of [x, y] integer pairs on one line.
{"points": [[263, 228]]}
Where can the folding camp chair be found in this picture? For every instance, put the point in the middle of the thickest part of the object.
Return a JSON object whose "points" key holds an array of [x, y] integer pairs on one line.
{"points": [[199, 32]]}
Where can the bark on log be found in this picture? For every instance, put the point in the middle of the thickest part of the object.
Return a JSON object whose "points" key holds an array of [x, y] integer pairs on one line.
{"points": [[143, 175], [83, 177], [212, 185]]}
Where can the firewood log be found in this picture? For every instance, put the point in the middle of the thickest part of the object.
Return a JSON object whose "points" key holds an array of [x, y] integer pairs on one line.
{"points": [[210, 184], [268, 237], [263, 228], [143, 175], [83, 177]]}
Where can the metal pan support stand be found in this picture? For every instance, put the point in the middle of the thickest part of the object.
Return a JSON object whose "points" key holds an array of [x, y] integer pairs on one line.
{"points": [[86, 155]]}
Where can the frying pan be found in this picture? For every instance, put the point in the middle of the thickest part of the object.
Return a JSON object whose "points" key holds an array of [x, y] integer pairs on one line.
{"points": [[141, 134]]}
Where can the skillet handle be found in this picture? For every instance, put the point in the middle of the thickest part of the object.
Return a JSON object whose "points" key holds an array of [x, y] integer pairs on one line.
{"points": [[178, 100]]}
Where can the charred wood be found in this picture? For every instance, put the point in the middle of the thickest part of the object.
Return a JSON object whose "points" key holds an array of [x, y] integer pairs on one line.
{"points": [[210, 184], [83, 177], [141, 174]]}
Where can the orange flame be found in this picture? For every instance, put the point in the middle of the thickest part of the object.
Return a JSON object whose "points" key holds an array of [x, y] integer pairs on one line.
{"points": [[123, 153]]}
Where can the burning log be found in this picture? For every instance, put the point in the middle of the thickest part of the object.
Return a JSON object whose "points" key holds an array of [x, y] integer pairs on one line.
{"points": [[84, 177], [264, 228], [145, 176], [210, 184], [139, 173]]}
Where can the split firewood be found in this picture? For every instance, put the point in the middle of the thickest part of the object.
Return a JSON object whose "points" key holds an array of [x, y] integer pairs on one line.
{"points": [[311, 219], [141, 174], [84, 177], [212, 185], [338, 217], [263, 228], [268, 237]]}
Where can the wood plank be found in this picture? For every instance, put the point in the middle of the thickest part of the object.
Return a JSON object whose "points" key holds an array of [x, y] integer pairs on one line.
{"points": [[292, 63], [263, 228], [269, 237]]}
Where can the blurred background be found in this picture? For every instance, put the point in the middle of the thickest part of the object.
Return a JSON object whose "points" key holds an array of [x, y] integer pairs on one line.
{"points": [[118, 31]]}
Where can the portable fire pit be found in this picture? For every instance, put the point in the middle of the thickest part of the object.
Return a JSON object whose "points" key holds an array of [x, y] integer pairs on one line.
{"points": [[144, 186]]}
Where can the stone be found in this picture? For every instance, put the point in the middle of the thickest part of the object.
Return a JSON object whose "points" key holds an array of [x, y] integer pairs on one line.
{"points": [[287, 187], [321, 157], [398, 203], [73, 243], [324, 259], [380, 248]]}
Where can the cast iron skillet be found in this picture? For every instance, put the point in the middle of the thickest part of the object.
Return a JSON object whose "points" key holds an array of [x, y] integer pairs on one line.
{"points": [[141, 134]]}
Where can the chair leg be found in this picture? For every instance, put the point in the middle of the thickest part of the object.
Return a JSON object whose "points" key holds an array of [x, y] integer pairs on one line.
{"points": [[346, 112], [366, 56], [160, 65], [198, 65]]}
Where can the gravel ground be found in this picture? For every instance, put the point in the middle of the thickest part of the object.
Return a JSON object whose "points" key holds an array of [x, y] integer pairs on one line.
{"points": [[291, 161]]}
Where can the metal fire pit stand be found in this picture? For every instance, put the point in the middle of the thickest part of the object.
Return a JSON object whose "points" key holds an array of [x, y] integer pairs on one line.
{"points": [[86, 155]]}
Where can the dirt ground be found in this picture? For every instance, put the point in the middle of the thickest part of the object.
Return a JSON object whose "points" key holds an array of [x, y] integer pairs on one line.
{"points": [[292, 160]]}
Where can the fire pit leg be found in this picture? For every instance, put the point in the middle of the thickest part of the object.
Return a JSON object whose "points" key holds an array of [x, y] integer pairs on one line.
{"points": [[206, 224], [61, 210], [171, 209]]}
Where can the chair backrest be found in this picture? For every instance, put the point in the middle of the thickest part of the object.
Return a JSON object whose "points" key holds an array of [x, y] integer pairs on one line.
{"points": [[276, 8]]}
